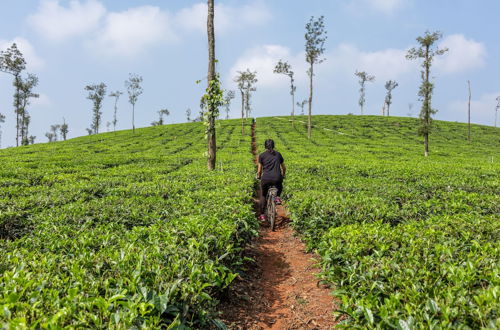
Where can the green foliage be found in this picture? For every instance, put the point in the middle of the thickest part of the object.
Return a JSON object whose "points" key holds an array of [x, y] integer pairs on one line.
{"points": [[118, 230], [409, 243], [212, 100], [97, 92], [427, 54], [363, 78], [315, 36]]}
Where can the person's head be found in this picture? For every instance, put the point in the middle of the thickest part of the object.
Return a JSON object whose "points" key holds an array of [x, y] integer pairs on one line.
{"points": [[269, 144]]}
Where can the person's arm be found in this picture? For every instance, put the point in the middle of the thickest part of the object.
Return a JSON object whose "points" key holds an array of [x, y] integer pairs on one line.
{"points": [[259, 170], [283, 169]]}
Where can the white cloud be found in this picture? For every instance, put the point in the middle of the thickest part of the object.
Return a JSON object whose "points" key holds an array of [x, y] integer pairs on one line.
{"points": [[130, 32], [263, 60], [341, 63], [463, 55], [482, 109], [384, 6], [387, 6], [58, 23], [33, 61], [227, 18], [384, 64]]}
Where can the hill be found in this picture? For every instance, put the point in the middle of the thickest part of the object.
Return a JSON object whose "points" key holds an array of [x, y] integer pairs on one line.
{"points": [[409, 241], [131, 230], [122, 229]]}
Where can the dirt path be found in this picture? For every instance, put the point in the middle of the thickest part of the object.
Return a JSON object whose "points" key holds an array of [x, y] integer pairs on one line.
{"points": [[279, 289]]}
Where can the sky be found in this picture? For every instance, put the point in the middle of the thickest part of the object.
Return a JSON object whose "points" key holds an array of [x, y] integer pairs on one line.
{"points": [[71, 44]]}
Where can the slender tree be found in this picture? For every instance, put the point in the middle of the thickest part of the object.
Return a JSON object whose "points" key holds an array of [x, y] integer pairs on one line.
{"points": [[470, 96], [134, 89], [410, 109], [116, 95], [54, 129], [64, 129], [286, 69], [246, 80], [25, 89], [363, 78], [227, 101], [212, 89], [426, 52], [50, 136], [2, 120], [496, 110], [13, 62], [389, 86], [315, 40], [301, 105], [161, 113], [188, 114], [96, 95]]}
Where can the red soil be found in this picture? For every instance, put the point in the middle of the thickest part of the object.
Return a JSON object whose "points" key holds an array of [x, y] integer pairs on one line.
{"points": [[279, 289]]}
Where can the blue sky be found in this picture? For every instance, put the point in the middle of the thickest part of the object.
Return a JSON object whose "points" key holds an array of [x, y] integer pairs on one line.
{"points": [[70, 44]]}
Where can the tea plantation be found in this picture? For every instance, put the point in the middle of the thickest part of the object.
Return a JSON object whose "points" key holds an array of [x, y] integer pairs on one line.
{"points": [[122, 230], [409, 242]]}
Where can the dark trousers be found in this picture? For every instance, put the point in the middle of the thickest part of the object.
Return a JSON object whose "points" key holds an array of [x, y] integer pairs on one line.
{"points": [[264, 188]]}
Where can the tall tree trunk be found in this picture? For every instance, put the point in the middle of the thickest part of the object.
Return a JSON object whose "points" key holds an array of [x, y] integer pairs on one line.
{"points": [[133, 121], [293, 108], [242, 112], [211, 76], [309, 119], [470, 95], [16, 104], [427, 101], [426, 144]]}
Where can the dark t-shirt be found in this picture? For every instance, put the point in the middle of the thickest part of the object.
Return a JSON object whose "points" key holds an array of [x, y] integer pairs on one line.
{"points": [[271, 161]]}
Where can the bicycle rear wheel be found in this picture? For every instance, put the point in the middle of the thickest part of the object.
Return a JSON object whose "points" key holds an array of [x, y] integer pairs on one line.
{"points": [[271, 208]]}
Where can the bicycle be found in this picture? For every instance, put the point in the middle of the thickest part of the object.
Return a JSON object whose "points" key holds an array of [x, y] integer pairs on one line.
{"points": [[271, 206]]}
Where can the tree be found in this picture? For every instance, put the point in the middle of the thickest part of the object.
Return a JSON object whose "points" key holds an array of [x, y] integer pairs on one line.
{"points": [[161, 113], [13, 62], [246, 80], [427, 53], [212, 89], [2, 120], [96, 95], [227, 102], [188, 114], [389, 86], [54, 129], [116, 95], [50, 136], [315, 41], [24, 88], [89, 131], [363, 78], [64, 129], [286, 69], [32, 139], [134, 89], [410, 109], [301, 105], [496, 109]]}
